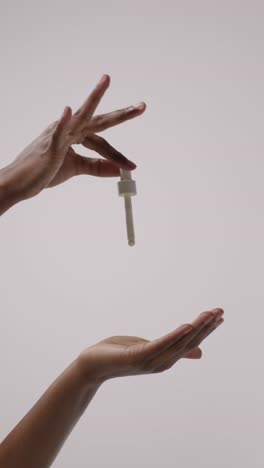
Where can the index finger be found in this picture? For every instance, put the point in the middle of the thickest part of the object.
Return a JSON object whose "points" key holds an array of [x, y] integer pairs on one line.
{"points": [[101, 122], [91, 103]]}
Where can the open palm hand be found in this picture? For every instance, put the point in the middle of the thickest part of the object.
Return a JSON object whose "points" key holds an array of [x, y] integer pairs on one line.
{"points": [[129, 355]]}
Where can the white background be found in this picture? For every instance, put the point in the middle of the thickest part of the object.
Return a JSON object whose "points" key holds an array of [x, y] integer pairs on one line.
{"points": [[68, 277]]}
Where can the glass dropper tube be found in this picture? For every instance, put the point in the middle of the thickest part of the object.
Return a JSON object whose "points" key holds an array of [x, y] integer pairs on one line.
{"points": [[127, 189]]}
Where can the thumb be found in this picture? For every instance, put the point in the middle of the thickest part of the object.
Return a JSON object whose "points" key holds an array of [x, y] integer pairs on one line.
{"points": [[194, 354]]}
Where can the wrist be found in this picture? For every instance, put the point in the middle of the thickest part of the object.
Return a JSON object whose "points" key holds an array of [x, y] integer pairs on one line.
{"points": [[9, 196], [89, 370]]}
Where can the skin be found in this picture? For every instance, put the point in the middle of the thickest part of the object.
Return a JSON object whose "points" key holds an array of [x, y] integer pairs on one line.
{"points": [[40, 435], [48, 161]]}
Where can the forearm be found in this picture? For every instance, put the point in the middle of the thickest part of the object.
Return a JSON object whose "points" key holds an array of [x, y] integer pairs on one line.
{"points": [[39, 436]]}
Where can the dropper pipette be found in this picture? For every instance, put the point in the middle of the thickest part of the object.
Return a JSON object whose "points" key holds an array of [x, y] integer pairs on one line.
{"points": [[127, 189]]}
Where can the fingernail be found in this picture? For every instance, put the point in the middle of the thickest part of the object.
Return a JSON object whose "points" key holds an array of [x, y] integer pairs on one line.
{"points": [[131, 164], [104, 79], [140, 105]]}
